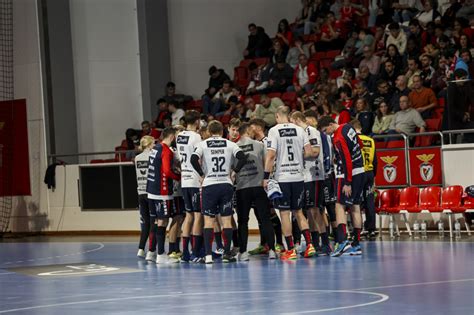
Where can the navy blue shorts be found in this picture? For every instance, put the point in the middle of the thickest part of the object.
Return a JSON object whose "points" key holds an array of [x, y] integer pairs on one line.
{"points": [[192, 199], [329, 190], [357, 187], [161, 209], [314, 195], [293, 196], [217, 199], [178, 206]]}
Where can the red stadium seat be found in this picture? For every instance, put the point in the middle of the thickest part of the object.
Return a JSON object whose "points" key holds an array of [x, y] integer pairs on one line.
{"points": [[97, 161], [468, 203], [441, 102], [261, 61], [409, 199], [325, 63], [317, 56], [380, 144], [246, 62], [241, 77], [195, 105], [289, 98], [274, 94], [389, 200], [452, 199], [334, 74], [256, 98], [430, 198], [433, 124], [332, 54], [395, 144]]}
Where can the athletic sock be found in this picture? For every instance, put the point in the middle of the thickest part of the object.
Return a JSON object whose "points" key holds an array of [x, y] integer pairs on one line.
{"points": [[208, 235], [172, 247], [160, 239], [277, 228], [341, 233], [262, 237], [227, 234], [315, 238], [185, 244], [356, 236], [324, 238], [196, 244], [296, 231], [289, 242], [178, 243], [152, 238], [235, 238], [218, 238], [307, 236]]}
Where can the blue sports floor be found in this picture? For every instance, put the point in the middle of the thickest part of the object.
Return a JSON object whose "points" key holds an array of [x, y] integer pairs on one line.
{"points": [[105, 277]]}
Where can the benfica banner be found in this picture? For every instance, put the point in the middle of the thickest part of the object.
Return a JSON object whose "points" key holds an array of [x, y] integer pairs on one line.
{"points": [[14, 158], [391, 168], [425, 167]]}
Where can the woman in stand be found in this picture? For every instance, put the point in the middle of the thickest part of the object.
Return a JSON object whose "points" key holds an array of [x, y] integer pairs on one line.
{"points": [[382, 120]]}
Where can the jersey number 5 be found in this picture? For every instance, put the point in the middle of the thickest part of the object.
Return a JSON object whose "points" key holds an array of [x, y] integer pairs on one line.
{"points": [[291, 155], [218, 164]]}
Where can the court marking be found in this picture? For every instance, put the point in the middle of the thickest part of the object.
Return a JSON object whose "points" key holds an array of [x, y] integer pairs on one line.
{"points": [[101, 245], [416, 284]]}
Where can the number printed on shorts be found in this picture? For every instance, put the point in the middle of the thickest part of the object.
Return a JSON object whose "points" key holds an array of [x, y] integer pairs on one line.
{"points": [[218, 164]]}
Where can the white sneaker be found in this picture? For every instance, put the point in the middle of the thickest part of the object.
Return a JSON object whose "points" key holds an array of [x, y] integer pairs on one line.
{"points": [[243, 256], [272, 254], [219, 251], [234, 251], [209, 259], [150, 256], [162, 259], [141, 253], [173, 260]]}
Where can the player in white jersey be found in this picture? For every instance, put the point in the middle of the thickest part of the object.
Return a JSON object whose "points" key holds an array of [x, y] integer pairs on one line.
{"points": [[141, 168], [213, 159], [186, 142], [257, 132], [288, 144]]}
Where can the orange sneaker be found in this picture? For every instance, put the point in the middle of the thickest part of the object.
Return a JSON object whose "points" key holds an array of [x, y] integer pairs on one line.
{"points": [[310, 251], [289, 255]]}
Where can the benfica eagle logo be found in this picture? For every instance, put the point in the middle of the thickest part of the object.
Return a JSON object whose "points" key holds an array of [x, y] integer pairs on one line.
{"points": [[389, 170], [426, 168]]}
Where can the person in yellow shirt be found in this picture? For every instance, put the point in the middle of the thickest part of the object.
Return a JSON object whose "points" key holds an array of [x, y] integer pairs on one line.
{"points": [[370, 167]]}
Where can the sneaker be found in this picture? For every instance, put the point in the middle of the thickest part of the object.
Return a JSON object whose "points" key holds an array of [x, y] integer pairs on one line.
{"points": [[208, 260], [228, 258], [272, 254], [341, 248], [173, 260], [297, 248], [310, 251], [243, 256], [174, 255], [185, 258], [195, 259], [353, 251], [150, 256], [278, 248], [219, 252], [257, 251], [289, 255], [162, 259], [372, 235], [141, 253], [235, 251], [324, 250]]}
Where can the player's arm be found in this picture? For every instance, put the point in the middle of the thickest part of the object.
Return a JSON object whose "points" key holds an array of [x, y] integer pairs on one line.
{"points": [[195, 157], [269, 162], [310, 149], [241, 160], [168, 166], [346, 161]]}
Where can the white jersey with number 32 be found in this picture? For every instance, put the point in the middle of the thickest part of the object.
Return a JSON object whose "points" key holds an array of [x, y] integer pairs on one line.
{"points": [[288, 141]]}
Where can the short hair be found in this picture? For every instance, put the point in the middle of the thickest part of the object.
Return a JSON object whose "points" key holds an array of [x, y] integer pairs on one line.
{"points": [[235, 122], [215, 127], [325, 121], [233, 99], [258, 122], [380, 82], [414, 22], [252, 66], [145, 122], [417, 61], [427, 56], [243, 128], [170, 84], [297, 115], [350, 71], [264, 97], [173, 103], [311, 113], [283, 110], [394, 26], [281, 59], [460, 73], [168, 131], [212, 69], [252, 25], [191, 116], [229, 82], [161, 100], [355, 124]]}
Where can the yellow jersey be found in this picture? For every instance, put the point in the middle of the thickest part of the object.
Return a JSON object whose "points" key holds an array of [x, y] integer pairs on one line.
{"points": [[368, 152]]}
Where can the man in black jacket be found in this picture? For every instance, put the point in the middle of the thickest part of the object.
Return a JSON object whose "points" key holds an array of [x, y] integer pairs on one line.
{"points": [[259, 43]]}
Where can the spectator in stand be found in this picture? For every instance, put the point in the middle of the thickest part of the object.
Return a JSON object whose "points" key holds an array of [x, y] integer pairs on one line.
{"points": [[368, 78], [251, 108], [466, 56], [370, 61], [268, 109], [415, 31], [421, 98], [467, 10], [348, 12], [427, 71], [397, 37], [389, 73], [347, 78], [284, 34], [407, 119], [345, 94], [176, 113], [131, 142], [162, 113], [439, 80], [365, 39], [304, 76], [348, 52], [231, 108], [361, 91], [330, 35], [259, 76], [171, 95], [413, 70], [384, 13], [259, 43], [429, 14], [401, 89], [464, 44], [405, 10], [383, 94], [147, 130], [343, 114], [413, 49], [458, 28], [325, 82], [364, 115], [450, 13], [216, 81], [216, 104], [383, 119], [393, 55], [277, 52], [294, 53], [281, 76], [318, 8], [303, 17]]}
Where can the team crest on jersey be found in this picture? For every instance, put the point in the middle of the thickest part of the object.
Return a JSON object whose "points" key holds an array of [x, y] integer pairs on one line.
{"points": [[389, 170], [182, 140], [426, 168], [216, 144], [287, 132]]}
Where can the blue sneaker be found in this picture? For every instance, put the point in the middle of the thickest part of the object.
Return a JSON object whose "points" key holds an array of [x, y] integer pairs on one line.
{"points": [[185, 258], [353, 251], [195, 259], [341, 248]]}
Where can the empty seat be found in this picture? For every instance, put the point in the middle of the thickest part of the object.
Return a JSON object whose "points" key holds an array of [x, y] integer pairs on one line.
{"points": [[389, 200], [451, 199], [289, 98], [261, 61], [409, 199], [395, 144], [430, 199], [245, 62], [241, 76]]}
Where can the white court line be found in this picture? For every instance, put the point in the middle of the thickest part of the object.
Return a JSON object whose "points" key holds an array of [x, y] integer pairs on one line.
{"points": [[415, 284]]}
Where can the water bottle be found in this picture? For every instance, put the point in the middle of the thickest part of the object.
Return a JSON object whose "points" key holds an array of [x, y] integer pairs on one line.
{"points": [[423, 229], [457, 229], [441, 228], [391, 227], [416, 229]]}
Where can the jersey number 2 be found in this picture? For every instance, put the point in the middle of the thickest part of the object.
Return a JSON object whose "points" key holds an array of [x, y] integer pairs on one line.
{"points": [[218, 164]]}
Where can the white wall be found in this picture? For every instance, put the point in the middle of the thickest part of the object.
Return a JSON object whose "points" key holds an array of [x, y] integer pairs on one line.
{"points": [[30, 213], [214, 32], [106, 71]]}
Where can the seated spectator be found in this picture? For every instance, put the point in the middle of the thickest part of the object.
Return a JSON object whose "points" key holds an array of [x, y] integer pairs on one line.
{"points": [[343, 114], [325, 82], [294, 53], [370, 61], [347, 78], [176, 113], [467, 10], [413, 49], [464, 44], [401, 89], [393, 55], [439, 79], [466, 56], [284, 34], [427, 71], [330, 35], [277, 52], [365, 39], [259, 76], [302, 18], [389, 73], [368, 78], [397, 37], [347, 55], [281, 77], [230, 107], [364, 115], [458, 28], [361, 91], [131, 143], [413, 70], [171, 96], [147, 130], [383, 94], [405, 10], [304, 76], [216, 80], [217, 103], [318, 9], [162, 113], [450, 13], [383, 119], [251, 108], [268, 109], [348, 12], [259, 43], [421, 98], [345, 94], [407, 119]]}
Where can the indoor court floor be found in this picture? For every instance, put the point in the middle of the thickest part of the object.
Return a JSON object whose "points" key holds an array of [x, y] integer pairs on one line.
{"points": [[101, 275]]}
